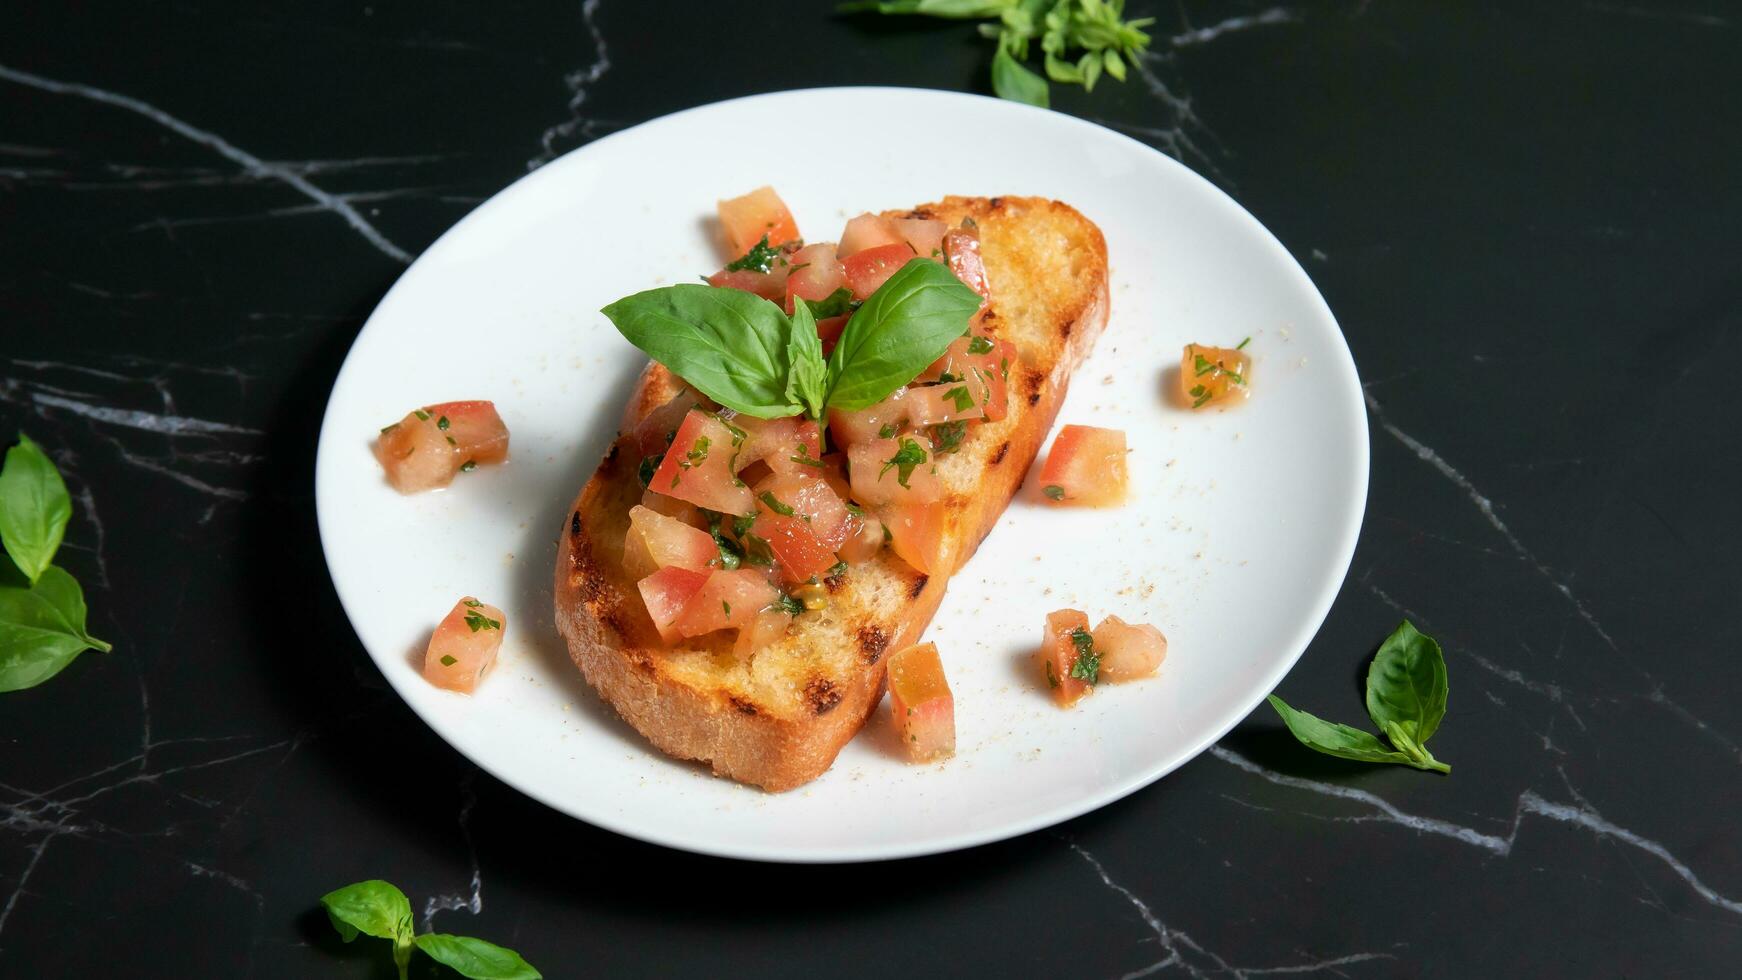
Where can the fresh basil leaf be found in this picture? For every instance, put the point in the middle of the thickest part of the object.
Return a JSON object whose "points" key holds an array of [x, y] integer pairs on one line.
{"points": [[731, 345], [476, 958], [903, 327], [373, 908], [1012, 81], [1419, 756], [34, 507], [42, 628], [1333, 739], [837, 303], [1406, 684], [807, 381]]}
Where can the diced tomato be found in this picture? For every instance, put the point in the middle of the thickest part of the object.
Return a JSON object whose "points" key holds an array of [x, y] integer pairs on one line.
{"points": [[1209, 375], [728, 600], [809, 498], [416, 455], [769, 625], [872, 268], [670, 542], [678, 510], [962, 255], [655, 430], [984, 364], [768, 285], [936, 404], [746, 220], [880, 421], [464, 646], [800, 555], [1058, 654], [698, 467], [829, 332], [1086, 468], [866, 231], [834, 473], [997, 377], [1128, 651], [478, 432], [864, 539], [815, 274], [878, 476], [778, 442], [666, 593], [921, 703], [916, 532], [924, 235]]}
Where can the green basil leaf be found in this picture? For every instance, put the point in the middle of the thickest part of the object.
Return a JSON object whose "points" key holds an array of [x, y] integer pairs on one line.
{"points": [[1333, 739], [1012, 81], [42, 628], [34, 507], [808, 380], [1406, 684], [373, 908], [903, 327], [731, 345], [476, 958], [1419, 756], [837, 303]]}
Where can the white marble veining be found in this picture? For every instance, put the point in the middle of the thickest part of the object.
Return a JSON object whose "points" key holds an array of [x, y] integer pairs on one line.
{"points": [[579, 83]]}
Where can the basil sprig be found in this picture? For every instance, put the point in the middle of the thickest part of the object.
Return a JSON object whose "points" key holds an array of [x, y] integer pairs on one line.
{"points": [[1406, 698], [744, 352], [377, 908], [42, 610]]}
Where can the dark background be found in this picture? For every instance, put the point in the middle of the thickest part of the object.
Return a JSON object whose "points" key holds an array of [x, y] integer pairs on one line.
{"points": [[1524, 216]]}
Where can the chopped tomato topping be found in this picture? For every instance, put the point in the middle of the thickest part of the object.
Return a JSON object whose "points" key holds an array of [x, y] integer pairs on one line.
{"points": [[769, 625], [916, 532], [478, 432], [880, 421], [653, 434], [872, 268], [962, 255], [984, 365], [800, 555], [655, 541], [425, 449], [815, 274], [829, 332], [758, 214], [921, 703], [1208, 375], [666, 593], [936, 404], [698, 467], [1086, 468], [809, 498], [924, 235], [867, 231], [784, 444], [678, 510], [890, 471], [768, 285], [864, 539], [728, 600], [464, 646], [1128, 651], [1065, 636]]}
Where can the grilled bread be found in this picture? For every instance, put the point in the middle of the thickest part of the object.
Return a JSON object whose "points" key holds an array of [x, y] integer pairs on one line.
{"points": [[778, 719]]}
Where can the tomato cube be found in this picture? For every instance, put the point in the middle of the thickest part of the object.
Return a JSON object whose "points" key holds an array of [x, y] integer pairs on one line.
{"points": [[916, 532], [1086, 468], [924, 235], [1128, 651], [478, 432], [769, 625], [798, 552], [867, 231], [416, 455], [761, 213], [666, 593], [1208, 375], [728, 600], [698, 466], [889, 471], [921, 703], [870, 269], [880, 421], [769, 285], [815, 274], [464, 646], [864, 540], [787, 445], [962, 255], [809, 498], [655, 541], [937, 404], [1065, 639]]}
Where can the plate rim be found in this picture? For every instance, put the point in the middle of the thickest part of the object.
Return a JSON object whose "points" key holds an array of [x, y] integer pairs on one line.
{"points": [[1352, 516]]}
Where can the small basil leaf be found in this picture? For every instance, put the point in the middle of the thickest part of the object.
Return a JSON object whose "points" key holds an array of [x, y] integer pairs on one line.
{"points": [[373, 908], [729, 344], [1406, 684], [42, 628], [34, 507], [1333, 739], [807, 383], [903, 327], [1419, 756], [1012, 81], [476, 958]]}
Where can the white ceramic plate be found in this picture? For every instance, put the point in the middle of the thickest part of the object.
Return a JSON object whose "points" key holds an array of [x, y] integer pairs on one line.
{"points": [[1241, 529]]}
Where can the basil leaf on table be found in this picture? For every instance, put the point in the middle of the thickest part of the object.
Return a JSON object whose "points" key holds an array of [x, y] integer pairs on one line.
{"points": [[1010, 80], [34, 507], [1334, 739], [808, 382], [906, 325], [373, 908], [731, 345], [1406, 684], [42, 628], [476, 958], [1419, 756]]}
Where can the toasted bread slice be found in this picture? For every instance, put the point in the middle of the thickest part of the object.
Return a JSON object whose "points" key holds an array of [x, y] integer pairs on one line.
{"points": [[778, 720]]}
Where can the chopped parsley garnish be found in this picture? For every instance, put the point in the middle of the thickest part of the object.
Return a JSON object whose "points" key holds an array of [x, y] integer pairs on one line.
{"points": [[757, 551], [389, 428], [855, 509], [473, 603], [1202, 365], [442, 423], [947, 377], [980, 345], [947, 437], [730, 557], [774, 503], [448, 660], [697, 454], [836, 303], [727, 606], [804, 457], [888, 431], [468, 466], [1053, 491], [789, 605], [903, 462], [479, 621], [960, 397], [1200, 395], [451, 441], [1052, 675], [422, 416], [1087, 665], [738, 435], [760, 258], [838, 568], [1234, 376], [1242, 344], [649, 466]]}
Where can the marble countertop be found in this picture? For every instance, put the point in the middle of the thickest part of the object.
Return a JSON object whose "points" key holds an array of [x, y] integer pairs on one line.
{"points": [[1524, 219]]}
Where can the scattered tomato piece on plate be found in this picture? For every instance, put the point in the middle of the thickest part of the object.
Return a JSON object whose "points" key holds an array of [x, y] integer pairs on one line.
{"points": [[425, 449], [464, 646], [920, 700], [1086, 468], [1209, 375], [758, 214], [1128, 650], [1067, 657]]}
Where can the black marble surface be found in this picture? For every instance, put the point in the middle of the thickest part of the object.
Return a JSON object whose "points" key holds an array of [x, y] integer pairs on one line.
{"points": [[1524, 216]]}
